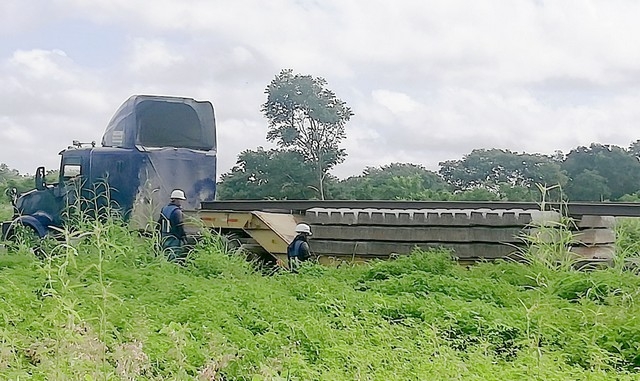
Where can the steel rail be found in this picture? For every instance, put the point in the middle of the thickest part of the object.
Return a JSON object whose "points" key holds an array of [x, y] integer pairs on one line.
{"points": [[300, 206]]}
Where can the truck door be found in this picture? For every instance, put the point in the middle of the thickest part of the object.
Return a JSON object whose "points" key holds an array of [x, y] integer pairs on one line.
{"points": [[72, 182]]}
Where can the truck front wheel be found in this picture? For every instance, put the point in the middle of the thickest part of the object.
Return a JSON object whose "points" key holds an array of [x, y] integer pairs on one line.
{"points": [[19, 236]]}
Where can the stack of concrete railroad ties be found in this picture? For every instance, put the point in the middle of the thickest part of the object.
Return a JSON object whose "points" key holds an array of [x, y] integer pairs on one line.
{"points": [[471, 234]]}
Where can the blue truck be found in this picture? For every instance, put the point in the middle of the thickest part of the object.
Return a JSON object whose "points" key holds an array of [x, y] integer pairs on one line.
{"points": [[152, 145]]}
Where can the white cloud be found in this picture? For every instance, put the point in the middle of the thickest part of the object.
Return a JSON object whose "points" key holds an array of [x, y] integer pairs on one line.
{"points": [[151, 55], [10, 134], [396, 102], [41, 64], [47, 101], [18, 16]]}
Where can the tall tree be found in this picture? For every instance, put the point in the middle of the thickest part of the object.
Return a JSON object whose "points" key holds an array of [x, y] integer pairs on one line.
{"points": [[611, 170], [272, 174], [308, 118]]}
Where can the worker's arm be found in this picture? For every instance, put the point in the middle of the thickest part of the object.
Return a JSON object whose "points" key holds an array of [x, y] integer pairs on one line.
{"points": [[304, 252], [159, 223], [178, 222]]}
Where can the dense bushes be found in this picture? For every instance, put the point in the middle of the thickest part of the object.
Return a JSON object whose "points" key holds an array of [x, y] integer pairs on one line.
{"points": [[102, 305]]}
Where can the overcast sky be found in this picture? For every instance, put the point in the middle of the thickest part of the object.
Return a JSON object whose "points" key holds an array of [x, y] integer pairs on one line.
{"points": [[428, 80]]}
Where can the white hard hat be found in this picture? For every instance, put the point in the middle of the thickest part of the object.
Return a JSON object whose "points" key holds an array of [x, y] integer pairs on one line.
{"points": [[178, 194], [303, 228]]}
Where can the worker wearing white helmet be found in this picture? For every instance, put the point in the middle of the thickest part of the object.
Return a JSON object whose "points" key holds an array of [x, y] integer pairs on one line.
{"points": [[298, 250], [171, 225]]}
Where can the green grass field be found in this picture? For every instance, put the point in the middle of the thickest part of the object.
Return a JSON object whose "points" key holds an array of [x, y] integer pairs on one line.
{"points": [[105, 307], [6, 211]]}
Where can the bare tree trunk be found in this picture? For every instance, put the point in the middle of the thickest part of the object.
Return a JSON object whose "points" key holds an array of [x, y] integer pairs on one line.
{"points": [[321, 180]]}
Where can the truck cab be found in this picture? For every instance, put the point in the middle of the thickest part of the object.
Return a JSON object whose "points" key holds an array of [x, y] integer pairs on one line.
{"points": [[152, 145]]}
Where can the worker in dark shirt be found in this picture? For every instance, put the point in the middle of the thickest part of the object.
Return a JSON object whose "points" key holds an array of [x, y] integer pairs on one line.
{"points": [[298, 250], [171, 222]]}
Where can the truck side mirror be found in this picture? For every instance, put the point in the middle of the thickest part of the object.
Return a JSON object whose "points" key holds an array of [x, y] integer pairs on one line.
{"points": [[40, 184], [13, 194]]}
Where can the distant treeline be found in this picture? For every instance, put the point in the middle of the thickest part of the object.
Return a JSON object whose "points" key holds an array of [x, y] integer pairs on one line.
{"points": [[595, 173]]}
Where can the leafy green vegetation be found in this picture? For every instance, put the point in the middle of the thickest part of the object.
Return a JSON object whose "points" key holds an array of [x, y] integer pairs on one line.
{"points": [[11, 178], [103, 305], [272, 173], [6, 211], [595, 173], [628, 238]]}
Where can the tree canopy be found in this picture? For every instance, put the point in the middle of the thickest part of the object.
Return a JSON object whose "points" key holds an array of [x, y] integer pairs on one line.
{"points": [[494, 168], [268, 174], [601, 172], [308, 118], [403, 181]]}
